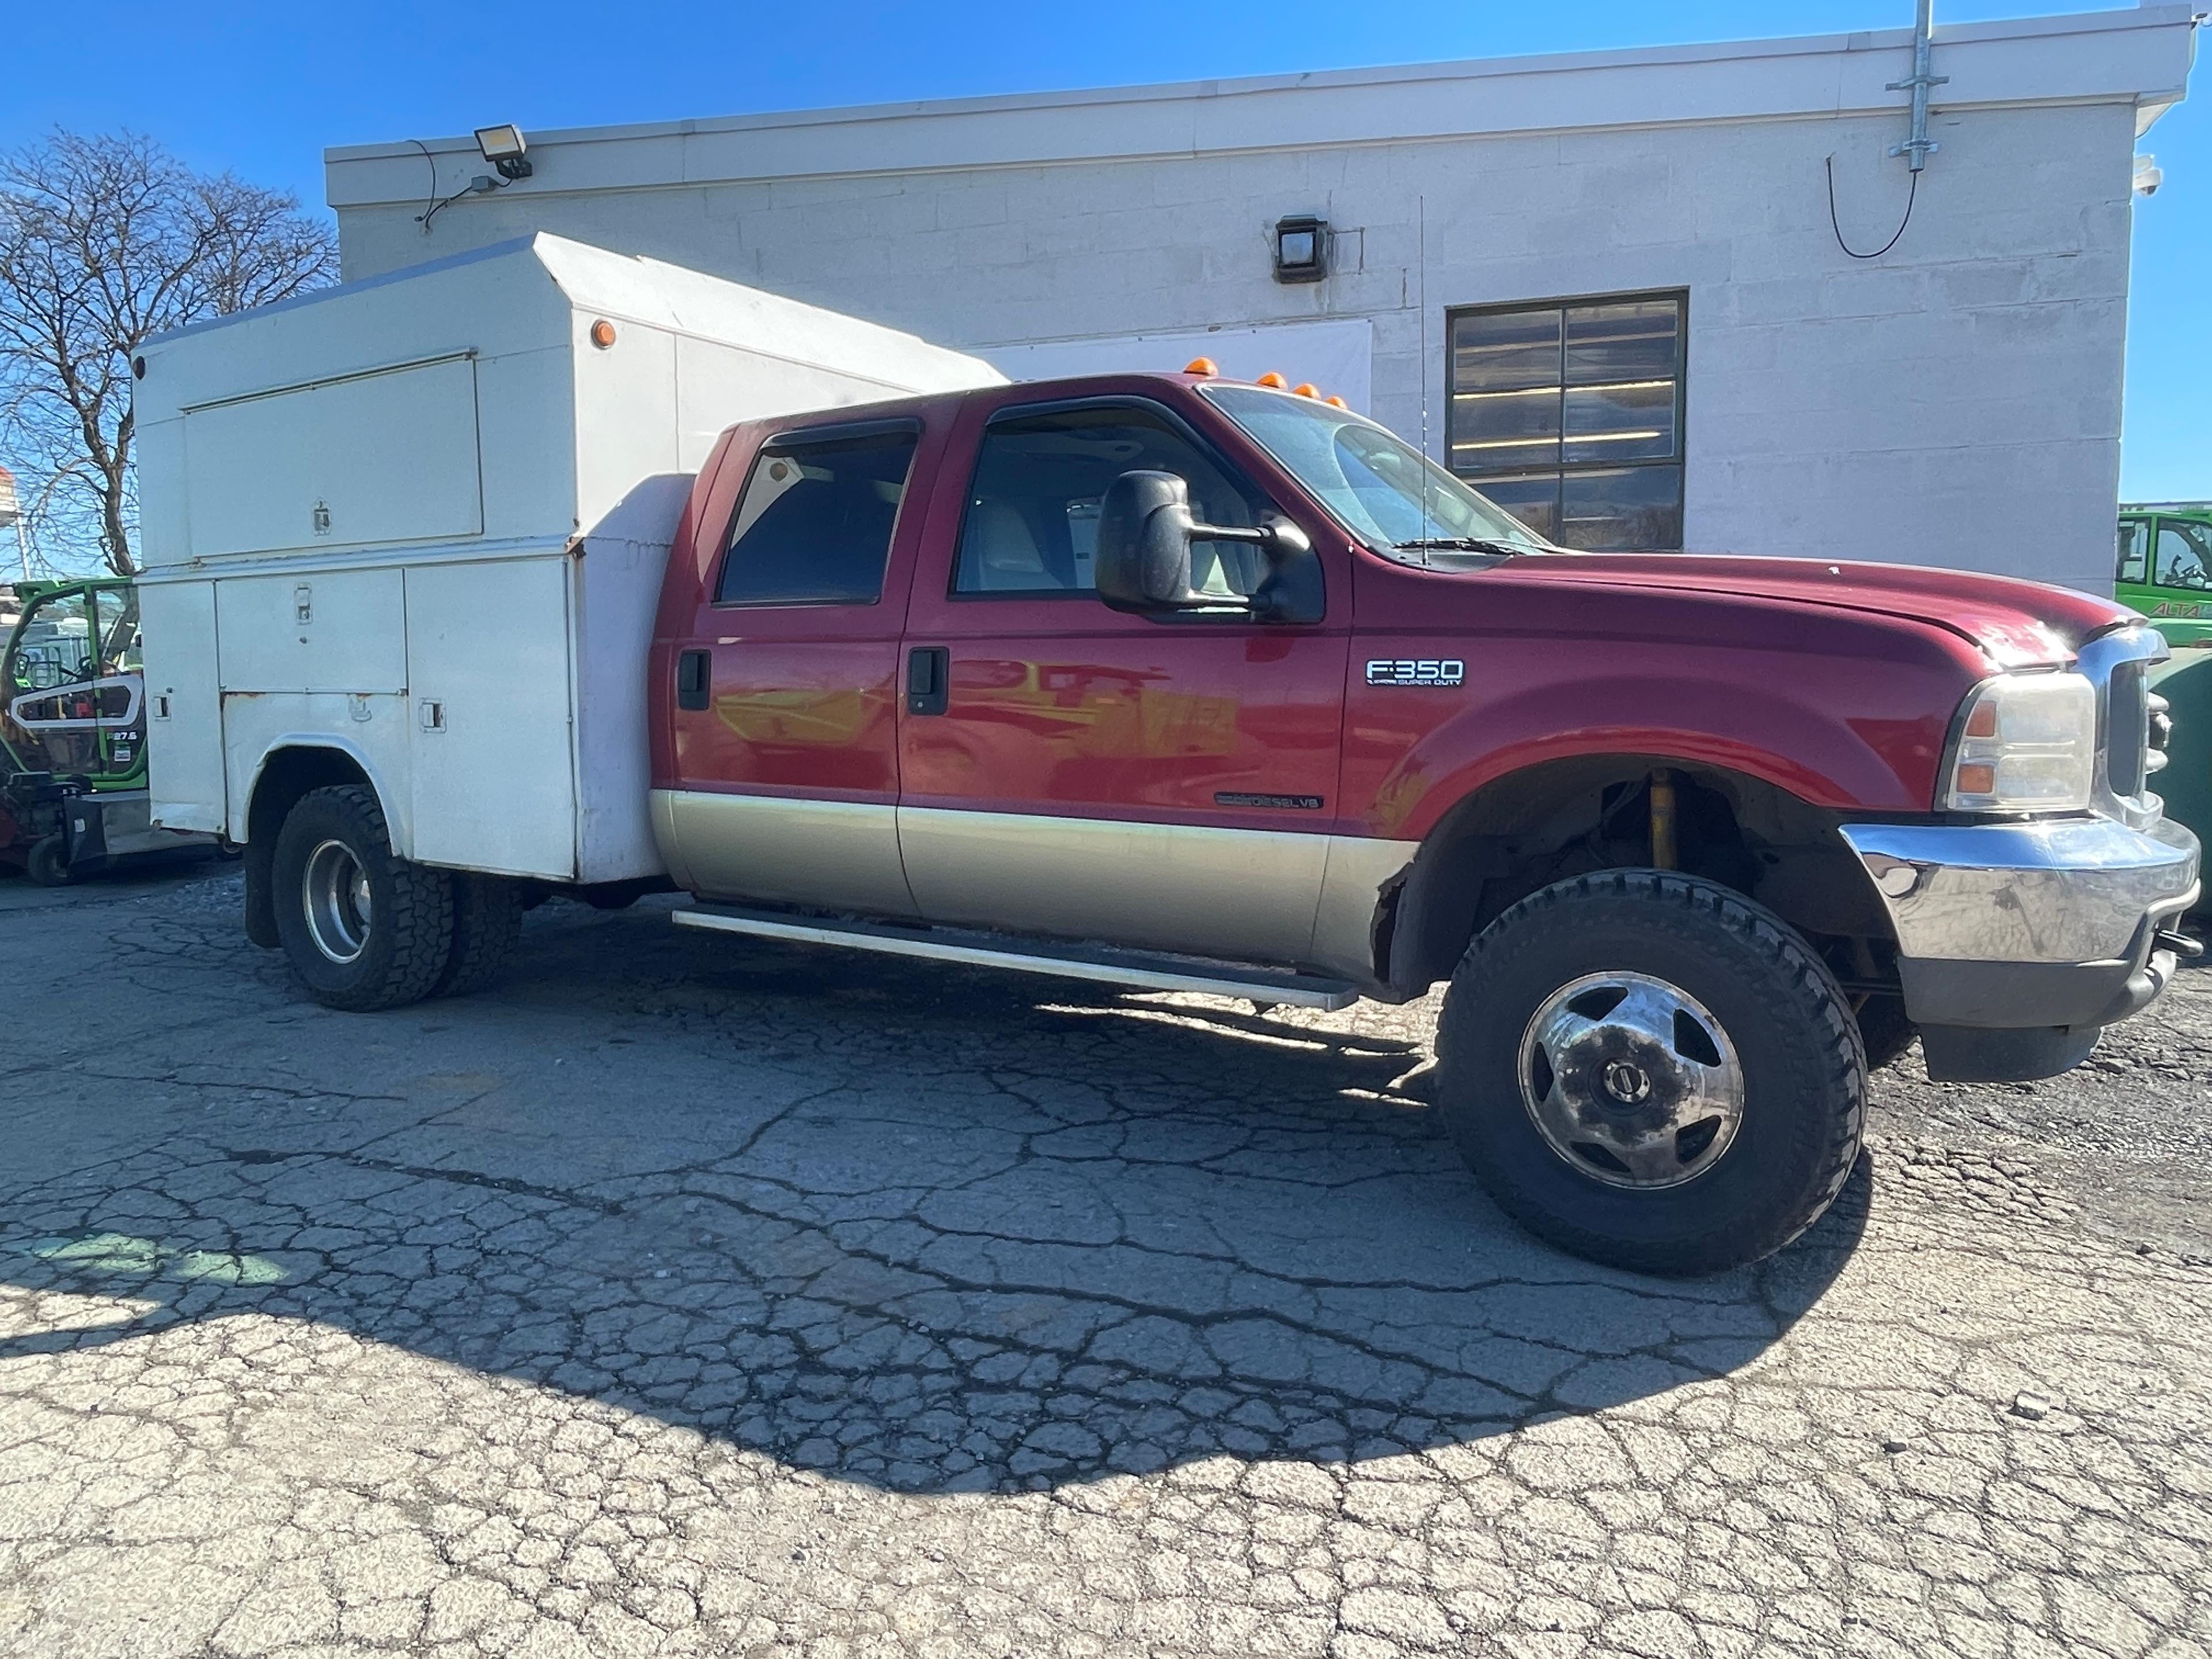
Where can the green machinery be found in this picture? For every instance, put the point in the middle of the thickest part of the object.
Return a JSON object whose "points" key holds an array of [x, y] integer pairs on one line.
{"points": [[73, 794], [2165, 571]]}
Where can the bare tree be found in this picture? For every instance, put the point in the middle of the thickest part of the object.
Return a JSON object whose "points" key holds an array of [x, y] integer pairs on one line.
{"points": [[105, 242]]}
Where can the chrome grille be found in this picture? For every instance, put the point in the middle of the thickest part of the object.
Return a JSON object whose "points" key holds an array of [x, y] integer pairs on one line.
{"points": [[2131, 724], [2127, 729]]}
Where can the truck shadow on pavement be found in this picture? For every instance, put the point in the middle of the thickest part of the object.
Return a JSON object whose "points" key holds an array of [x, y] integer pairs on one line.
{"points": [[926, 1230]]}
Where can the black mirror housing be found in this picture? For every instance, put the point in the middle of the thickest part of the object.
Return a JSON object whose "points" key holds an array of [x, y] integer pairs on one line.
{"points": [[1142, 559], [1141, 562]]}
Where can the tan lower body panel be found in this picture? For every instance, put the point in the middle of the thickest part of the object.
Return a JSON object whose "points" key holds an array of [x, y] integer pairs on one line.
{"points": [[1351, 890], [1261, 895], [840, 855]]}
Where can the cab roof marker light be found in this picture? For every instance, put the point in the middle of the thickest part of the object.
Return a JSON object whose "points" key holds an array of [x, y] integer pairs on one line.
{"points": [[1305, 389], [1274, 380], [1204, 367]]}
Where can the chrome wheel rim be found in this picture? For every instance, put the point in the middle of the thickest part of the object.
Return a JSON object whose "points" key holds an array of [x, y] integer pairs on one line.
{"points": [[1632, 1080], [335, 892]]}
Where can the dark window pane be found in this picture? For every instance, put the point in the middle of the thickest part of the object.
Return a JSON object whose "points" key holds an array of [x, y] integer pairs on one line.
{"points": [[1628, 423], [2183, 559], [1621, 508], [1032, 521], [1632, 340], [1507, 430], [1499, 350], [814, 527], [2134, 542], [1533, 499]]}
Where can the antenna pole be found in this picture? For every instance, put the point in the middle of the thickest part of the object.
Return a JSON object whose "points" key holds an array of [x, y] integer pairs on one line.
{"points": [[1915, 149], [1421, 211]]}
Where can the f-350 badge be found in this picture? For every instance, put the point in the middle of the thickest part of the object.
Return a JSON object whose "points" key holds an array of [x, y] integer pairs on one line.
{"points": [[1424, 670]]}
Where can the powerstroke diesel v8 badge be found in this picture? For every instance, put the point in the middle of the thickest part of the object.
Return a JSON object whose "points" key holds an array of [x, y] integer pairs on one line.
{"points": [[1448, 671]]}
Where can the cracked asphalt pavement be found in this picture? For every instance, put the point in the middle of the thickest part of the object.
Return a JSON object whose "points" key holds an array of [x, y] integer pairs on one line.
{"points": [[696, 1296]]}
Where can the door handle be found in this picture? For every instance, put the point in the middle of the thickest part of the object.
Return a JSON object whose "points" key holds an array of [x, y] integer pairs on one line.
{"points": [[928, 676], [691, 680]]}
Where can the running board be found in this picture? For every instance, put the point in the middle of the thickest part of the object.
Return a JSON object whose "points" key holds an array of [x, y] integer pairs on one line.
{"points": [[1098, 962]]}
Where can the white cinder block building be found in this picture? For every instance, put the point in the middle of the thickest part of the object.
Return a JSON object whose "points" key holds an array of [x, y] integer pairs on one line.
{"points": [[1607, 285]]}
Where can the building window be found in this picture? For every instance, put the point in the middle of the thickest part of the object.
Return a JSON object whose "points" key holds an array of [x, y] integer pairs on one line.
{"points": [[1570, 415]]}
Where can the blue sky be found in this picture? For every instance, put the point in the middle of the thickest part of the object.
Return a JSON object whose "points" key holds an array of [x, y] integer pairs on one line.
{"points": [[262, 88]]}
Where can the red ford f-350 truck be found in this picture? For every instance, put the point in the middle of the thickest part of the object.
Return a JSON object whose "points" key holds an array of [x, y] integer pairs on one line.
{"points": [[1170, 681]]}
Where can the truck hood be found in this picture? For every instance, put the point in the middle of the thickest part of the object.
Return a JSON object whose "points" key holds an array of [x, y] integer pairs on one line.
{"points": [[2016, 624]]}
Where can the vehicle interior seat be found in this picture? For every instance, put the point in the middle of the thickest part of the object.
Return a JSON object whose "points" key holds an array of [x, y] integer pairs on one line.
{"points": [[1000, 554]]}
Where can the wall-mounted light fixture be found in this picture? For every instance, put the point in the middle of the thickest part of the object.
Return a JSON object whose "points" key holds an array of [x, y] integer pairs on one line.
{"points": [[1301, 249], [503, 147]]}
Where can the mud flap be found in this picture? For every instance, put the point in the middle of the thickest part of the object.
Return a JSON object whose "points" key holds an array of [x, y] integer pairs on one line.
{"points": [[1976, 1054], [260, 902]]}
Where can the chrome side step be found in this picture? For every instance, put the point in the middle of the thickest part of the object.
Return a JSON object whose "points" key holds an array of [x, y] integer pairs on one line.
{"points": [[1099, 963]]}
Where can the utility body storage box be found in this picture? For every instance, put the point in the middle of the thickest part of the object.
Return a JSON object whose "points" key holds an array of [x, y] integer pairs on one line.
{"points": [[423, 520]]}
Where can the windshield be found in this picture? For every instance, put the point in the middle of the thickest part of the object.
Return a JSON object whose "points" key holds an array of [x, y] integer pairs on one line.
{"points": [[1378, 486]]}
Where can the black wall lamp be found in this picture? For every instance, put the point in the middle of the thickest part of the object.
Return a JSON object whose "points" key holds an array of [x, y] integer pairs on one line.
{"points": [[1301, 249], [503, 147]]}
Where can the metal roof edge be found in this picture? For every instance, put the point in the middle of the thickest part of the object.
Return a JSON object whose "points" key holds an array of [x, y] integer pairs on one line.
{"points": [[2152, 14]]}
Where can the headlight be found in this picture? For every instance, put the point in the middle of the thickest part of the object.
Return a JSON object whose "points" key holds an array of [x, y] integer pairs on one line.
{"points": [[2028, 743]]}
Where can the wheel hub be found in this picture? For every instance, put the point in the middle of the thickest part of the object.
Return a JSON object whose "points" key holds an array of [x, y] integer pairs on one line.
{"points": [[1627, 1082], [335, 894], [1632, 1080]]}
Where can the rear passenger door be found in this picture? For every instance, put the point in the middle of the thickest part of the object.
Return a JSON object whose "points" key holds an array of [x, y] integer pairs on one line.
{"points": [[1066, 768], [784, 726]]}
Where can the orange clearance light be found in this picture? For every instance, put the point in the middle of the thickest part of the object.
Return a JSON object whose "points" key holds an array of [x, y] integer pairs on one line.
{"points": [[603, 334], [1305, 389], [1201, 366], [1334, 402], [1273, 380]]}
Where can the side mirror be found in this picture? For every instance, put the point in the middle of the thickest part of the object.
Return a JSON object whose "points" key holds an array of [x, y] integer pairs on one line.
{"points": [[1142, 559], [1141, 564]]}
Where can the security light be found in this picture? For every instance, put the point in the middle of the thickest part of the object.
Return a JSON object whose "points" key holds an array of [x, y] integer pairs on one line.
{"points": [[502, 146], [1301, 249]]}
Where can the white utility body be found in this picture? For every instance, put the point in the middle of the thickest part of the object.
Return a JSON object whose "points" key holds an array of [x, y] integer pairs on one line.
{"points": [[423, 519]]}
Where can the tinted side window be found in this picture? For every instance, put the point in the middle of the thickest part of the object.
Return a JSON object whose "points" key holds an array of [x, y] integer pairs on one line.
{"points": [[1031, 524], [814, 524]]}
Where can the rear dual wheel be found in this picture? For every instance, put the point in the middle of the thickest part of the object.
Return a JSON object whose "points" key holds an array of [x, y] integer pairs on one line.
{"points": [[364, 929], [1652, 1071]]}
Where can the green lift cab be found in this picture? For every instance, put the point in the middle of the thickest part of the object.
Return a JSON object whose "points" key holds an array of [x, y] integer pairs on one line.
{"points": [[2165, 567], [2165, 571], [73, 793]]}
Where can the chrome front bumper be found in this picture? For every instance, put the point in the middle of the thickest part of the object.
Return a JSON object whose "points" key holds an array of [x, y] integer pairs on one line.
{"points": [[2050, 926]]}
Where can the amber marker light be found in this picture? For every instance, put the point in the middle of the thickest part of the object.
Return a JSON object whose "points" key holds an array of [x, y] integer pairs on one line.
{"points": [[1201, 366], [1335, 401], [1305, 389], [603, 334], [1272, 379]]}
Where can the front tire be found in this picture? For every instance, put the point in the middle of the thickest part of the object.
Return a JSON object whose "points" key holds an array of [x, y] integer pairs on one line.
{"points": [[362, 928], [47, 862], [1652, 1071]]}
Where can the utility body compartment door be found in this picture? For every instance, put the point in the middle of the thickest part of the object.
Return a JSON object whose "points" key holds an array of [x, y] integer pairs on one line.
{"points": [[184, 706], [493, 772]]}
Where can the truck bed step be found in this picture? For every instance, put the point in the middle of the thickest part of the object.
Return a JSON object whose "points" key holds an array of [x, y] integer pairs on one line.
{"points": [[1103, 964]]}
